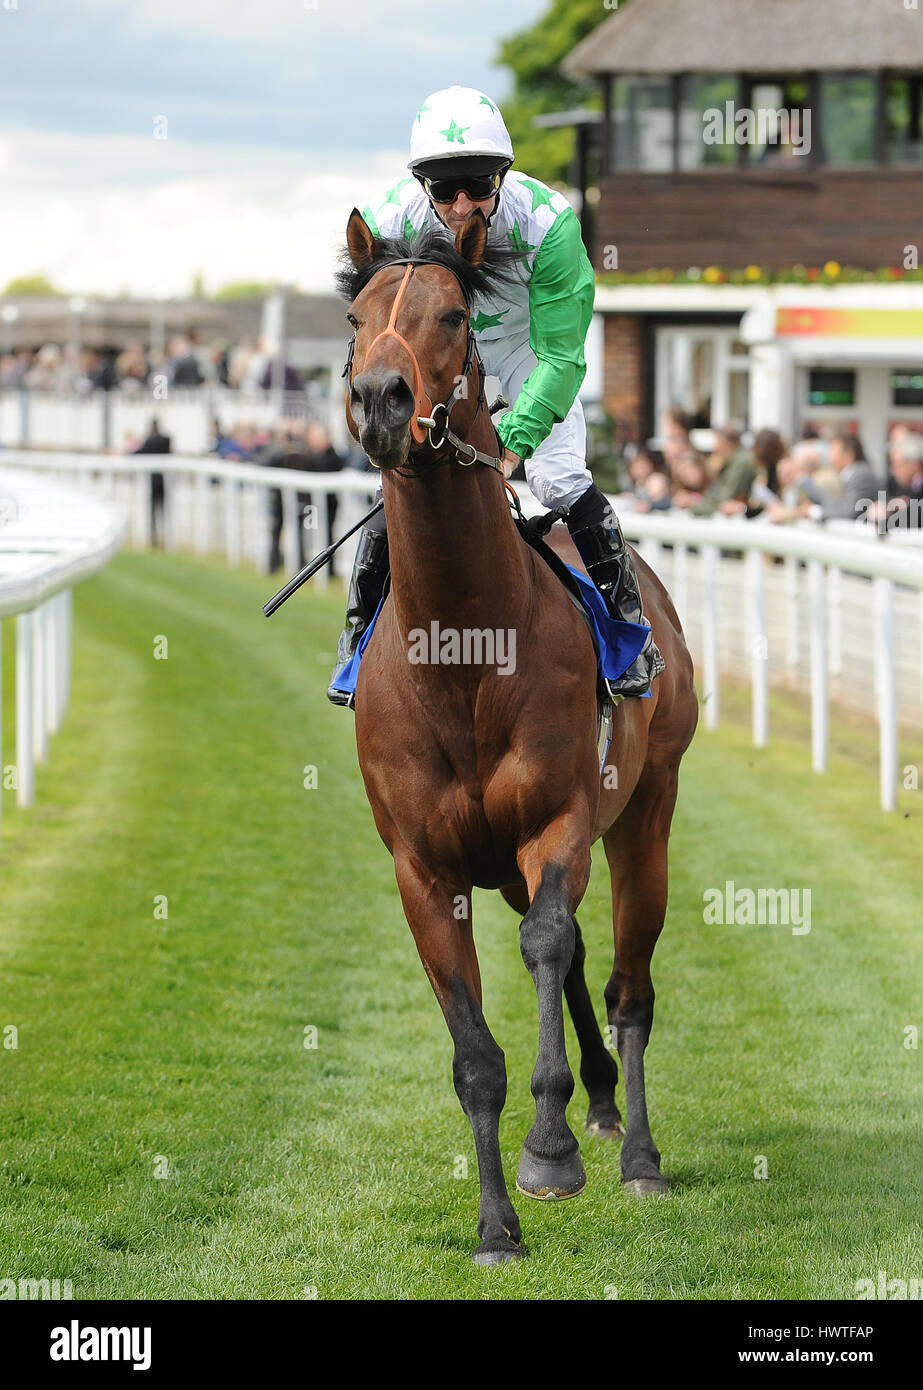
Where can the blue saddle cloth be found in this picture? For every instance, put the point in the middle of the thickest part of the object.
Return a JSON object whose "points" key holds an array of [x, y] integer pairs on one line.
{"points": [[617, 642]]}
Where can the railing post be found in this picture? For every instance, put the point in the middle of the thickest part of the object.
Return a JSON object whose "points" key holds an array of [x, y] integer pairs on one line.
{"points": [[819, 708], [885, 654], [711, 681], [39, 731], [681, 581], [50, 635], [291, 524], [791, 619], [68, 647], [170, 519], [141, 511], [25, 677], [232, 539], [263, 542], [202, 489], [835, 615], [318, 537], [759, 646]]}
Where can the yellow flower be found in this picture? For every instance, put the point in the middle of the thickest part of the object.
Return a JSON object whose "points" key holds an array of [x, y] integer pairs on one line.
{"points": [[832, 269], [712, 274], [753, 272]]}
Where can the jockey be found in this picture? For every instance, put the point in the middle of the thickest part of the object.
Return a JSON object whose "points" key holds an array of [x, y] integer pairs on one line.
{"points": [[531, 335]]}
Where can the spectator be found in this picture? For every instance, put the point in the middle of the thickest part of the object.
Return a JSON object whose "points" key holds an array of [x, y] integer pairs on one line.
{"points": [[904, 506], [858, 484], [650, 485], [768, 448], [690, 476], [674, 429], [155, 443], [731, 471], [317, 455], [183, 365]]}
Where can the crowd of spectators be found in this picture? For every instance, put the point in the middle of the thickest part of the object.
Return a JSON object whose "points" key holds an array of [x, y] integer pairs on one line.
{"points": [[763, 477], [304, 445], [185, 363]]}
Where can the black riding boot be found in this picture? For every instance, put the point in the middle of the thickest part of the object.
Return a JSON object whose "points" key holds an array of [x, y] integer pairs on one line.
{"points": [[370, 570], [595, 531]]}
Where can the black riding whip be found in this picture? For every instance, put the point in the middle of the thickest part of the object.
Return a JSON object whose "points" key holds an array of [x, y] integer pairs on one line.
{"points": [[317, 563]]}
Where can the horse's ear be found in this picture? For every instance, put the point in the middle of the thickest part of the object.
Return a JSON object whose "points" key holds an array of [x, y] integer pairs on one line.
{"points": [[471, 239], [359, 239]]}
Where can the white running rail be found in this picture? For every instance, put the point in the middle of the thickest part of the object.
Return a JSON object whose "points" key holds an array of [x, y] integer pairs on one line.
{"points": [[835, 610], [51, 537]]}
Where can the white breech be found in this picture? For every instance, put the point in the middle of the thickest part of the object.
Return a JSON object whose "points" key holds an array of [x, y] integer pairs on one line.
{"points": [[557, 472]]}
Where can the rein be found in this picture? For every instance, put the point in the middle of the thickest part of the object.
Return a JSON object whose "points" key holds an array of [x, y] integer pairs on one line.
{"points": [[429, 418]]}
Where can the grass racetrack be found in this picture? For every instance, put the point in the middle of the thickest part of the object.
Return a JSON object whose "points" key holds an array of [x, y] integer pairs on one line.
{"points": [[150, 1045]]}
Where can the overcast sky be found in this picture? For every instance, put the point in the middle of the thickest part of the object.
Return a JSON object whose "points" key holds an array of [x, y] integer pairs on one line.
{"points": [[280, 116]]}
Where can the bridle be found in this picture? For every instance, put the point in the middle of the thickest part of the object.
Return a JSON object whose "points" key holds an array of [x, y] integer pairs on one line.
{"points": [[427, 418]]}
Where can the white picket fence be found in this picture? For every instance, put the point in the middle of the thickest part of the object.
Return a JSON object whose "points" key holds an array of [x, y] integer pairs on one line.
{"points": [[834, 611], [51, 537]]}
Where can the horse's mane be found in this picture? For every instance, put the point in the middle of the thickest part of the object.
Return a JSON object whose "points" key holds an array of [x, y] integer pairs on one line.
{"points": [[435, 245]]}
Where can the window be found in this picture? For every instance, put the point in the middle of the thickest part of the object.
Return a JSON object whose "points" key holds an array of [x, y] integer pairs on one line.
{"points": [[642, 124], [907, 388], [780, 133], [848, 117], [827, 387], [698, 95], [904, 98]]}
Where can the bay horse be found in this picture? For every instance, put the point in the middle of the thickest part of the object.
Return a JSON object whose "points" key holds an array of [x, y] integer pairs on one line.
{"points": [[479, 776]]}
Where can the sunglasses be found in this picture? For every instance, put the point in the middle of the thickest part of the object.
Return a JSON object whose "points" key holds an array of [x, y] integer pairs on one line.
{"points": [[477, 186]]}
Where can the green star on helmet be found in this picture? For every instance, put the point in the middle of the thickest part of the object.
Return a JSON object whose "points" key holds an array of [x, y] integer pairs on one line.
{"points": [[423, 108], [486, 101], [454, 132], [481, 321], [540, 195]]}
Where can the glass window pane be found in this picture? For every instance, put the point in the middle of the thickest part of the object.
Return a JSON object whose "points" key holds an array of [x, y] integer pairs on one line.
{"points": [[739, 398], [904, 133], [907, 388], [642, 124], [848, 118], [779, 134], [697, 96]]}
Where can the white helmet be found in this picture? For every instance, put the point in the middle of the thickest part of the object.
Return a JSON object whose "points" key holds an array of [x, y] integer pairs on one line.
{"points": [[459, 122]]}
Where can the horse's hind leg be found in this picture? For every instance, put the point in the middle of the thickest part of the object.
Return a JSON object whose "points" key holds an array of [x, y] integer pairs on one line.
{"points": [[636, 847], [446, 947], [598, 1070]]}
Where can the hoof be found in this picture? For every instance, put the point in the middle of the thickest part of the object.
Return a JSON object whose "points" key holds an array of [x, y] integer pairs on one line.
{"points": [[545, 1178], [606, 1129], [647, 1187], [497, 1252]]}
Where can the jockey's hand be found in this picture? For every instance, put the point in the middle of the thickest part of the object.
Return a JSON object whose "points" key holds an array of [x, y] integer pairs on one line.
{"points": [[509, 462]]}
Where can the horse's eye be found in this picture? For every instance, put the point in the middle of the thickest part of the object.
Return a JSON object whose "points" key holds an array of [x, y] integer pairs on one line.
{"points": [[456, 318], [352, 320]]}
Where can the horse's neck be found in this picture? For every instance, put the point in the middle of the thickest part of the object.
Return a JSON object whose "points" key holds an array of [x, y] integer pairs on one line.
{"points": [[455, 554]]}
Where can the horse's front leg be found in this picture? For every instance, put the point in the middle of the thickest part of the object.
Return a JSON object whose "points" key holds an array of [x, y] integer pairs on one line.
{"points": [[556, 871], [445, 942]]}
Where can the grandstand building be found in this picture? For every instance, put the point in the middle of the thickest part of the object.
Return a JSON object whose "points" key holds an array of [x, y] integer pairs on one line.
{"points": [[757, 228]]}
